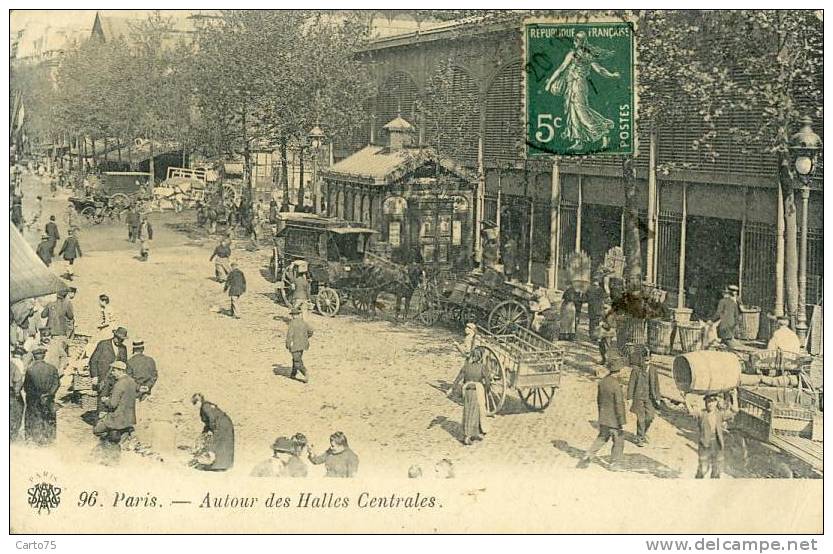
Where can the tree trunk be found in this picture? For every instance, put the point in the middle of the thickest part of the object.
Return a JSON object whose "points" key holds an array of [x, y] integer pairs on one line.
{"points": [[118, 146], [247, 156], [790, 242], [284, 171], [301, 178], [152, 165], [631, 246]]}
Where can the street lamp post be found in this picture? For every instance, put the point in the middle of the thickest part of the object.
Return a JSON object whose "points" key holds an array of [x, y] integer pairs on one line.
{"points": [[316, 140], [805, 146]]}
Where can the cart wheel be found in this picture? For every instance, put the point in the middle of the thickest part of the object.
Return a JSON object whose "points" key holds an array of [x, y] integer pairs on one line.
{"points": [[287, 286], [496, 390], [537, 398], [361, 301], [89, 215], [119, 201], [327, 302], [508, 316]]}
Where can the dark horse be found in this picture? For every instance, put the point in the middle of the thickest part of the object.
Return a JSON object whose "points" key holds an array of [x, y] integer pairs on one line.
{"points": [[400, 282]]}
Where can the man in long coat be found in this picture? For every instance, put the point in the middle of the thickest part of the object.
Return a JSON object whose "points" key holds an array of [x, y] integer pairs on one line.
{"points": [[53, 234], [612, 418], [106, 352], [44, 250], [56, 315], [142, 368], [728, 317], [40, 385], [297, 341], [132, 224], [70, 250], [236, 286], [120, 405], [643, 392]]}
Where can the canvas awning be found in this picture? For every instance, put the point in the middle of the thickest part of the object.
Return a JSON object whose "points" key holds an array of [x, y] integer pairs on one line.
{"points": [[29, 277]]}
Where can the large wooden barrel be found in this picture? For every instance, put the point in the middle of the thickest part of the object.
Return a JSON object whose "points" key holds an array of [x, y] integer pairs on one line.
{"points": [[750, 322], [707, 371]]}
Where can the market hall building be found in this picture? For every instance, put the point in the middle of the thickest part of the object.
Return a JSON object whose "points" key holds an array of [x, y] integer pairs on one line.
{"points": [[717, 218], [420, 203]]}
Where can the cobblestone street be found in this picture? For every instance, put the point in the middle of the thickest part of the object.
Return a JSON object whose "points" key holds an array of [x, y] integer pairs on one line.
{"points": [[381, 382]]}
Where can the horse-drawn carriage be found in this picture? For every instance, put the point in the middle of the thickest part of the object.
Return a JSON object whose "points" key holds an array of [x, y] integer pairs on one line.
{"points": [[335, 252], [483, 297], [519, 360], [107, 196]]}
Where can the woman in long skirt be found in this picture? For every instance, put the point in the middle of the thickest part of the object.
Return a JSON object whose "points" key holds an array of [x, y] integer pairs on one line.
{"points": [[221, 430], [474, 397], [567, 327]]}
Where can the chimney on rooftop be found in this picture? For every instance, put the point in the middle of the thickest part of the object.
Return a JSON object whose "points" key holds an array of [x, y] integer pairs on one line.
{"points": [[400, 134]]}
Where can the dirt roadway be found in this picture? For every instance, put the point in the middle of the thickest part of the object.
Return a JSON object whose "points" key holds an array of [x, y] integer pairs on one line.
{"points": [[378, 381]]}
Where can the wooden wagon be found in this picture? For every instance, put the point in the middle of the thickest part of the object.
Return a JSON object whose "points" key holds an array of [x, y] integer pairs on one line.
{"points": [[520, 361], [498, 305]]}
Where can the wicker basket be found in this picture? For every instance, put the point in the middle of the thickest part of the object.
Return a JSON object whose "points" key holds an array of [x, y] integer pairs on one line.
{"points": [[82, 382], [631, 330], [89, 401], [659, 336], [750, 322], [691, 337]]}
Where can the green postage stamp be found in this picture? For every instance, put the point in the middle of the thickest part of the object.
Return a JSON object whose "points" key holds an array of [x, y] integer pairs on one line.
{"points": [[579, 89]]}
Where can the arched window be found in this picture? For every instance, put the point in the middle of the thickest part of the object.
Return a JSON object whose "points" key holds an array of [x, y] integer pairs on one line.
{"points": [[340, 204], [504, 130], [398, 94], [366, 209], [357, 207], [452, 114]]}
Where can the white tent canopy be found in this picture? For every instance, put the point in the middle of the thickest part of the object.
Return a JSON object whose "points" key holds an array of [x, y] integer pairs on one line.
{"points": [[29, 277]]}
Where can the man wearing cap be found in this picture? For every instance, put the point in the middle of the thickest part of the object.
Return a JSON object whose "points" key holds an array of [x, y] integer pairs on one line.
{"points": [[70, 250], [220, 257], [612, 418], [53, 234], [56, 315], [784, 338], [236, 286], [297, 341], [106, 352], [142, 368], [119, 415], [56, 349], [40, 385], [283, 463], [643, 392], [44, 250], [132, 224], [727, 316], [710, 440]]}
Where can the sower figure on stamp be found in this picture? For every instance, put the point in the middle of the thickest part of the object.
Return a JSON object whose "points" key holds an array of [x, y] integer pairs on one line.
{"points": [[612, 418], [643, 392], [711, 441], [297, 341]]}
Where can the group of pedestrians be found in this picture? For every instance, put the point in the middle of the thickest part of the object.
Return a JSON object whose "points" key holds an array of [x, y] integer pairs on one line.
{"points": [[139, 230], [38, 358], [291, 457], [229, 274]]}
